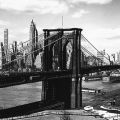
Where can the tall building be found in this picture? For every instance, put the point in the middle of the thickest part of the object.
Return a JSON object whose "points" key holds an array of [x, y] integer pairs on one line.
{"points": [[15, 46], [118, 57], [6, 43], [33, 37], [2, 56], [100, 55], [103, 56], [113, 56]]}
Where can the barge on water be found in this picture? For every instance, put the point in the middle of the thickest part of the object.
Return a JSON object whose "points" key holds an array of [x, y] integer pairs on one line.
{"points": [[114, 77], [93, 78]]}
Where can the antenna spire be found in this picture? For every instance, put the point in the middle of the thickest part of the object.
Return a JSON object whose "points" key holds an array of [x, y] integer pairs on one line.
{"points": [[62, 21]]}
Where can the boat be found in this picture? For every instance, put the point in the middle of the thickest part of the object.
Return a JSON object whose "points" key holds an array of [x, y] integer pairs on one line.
{"points": [[113, 77], [88, 108], [93, 78], [106, 79]]}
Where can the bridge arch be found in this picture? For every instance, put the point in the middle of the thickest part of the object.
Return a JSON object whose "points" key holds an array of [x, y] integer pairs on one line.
{"points": [[67, 54], [53, 56]]}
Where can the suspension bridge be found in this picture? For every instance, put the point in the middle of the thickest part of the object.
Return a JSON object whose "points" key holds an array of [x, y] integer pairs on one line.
{"points": [[66, 55]]}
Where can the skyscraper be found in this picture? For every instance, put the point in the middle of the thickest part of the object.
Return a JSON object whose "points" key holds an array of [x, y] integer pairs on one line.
{"points": [[33, 37], [118, 57], [6, 42], [100, 55], [2, 56], [15, 46]]}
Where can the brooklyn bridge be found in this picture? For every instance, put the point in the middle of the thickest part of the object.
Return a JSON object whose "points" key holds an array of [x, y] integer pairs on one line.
{"points": [[57, 57]]}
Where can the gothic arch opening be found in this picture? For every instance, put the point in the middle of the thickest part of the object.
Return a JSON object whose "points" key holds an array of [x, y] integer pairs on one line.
{"points": [[67, 55], [53, 57]]}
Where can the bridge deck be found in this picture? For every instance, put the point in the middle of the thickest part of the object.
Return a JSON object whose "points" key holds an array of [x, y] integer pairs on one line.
{"points": [[17, 78]]}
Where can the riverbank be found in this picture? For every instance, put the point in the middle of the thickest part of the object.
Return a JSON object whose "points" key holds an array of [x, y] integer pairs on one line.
{"points": [[106, 99]]}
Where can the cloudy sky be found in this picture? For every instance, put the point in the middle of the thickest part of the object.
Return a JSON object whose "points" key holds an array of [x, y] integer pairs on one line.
{"points": [[99, 19]]}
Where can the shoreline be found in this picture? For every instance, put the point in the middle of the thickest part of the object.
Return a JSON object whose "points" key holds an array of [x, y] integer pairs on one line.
{"points": [[105, 99]]}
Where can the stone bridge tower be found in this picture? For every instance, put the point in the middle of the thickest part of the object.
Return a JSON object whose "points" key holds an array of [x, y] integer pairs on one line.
{"points": [[68, 88]]}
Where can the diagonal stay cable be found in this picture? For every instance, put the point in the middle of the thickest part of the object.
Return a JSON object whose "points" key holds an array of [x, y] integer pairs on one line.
{"points": [[93, 46], [35, 51], [12, 53], [92, 55], [89, 53]]}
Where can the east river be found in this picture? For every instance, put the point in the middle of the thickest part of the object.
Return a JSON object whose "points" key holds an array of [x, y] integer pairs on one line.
{"points": [[20, 94], [101, 85], [27, 93]]}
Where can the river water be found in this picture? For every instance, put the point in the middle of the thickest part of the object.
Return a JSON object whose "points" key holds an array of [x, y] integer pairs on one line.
{"points": [[20, 94], [101, 85], [27, 93]]}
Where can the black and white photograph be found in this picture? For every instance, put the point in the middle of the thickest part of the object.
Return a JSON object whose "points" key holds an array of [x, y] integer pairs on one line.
{"points": [[59, 60]]}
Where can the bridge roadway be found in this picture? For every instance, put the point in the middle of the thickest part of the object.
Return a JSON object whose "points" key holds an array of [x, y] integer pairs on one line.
{"points": [[17, 78]]}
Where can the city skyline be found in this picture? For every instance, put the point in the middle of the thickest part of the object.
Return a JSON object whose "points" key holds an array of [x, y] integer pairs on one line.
{"points": [[99, 19]]}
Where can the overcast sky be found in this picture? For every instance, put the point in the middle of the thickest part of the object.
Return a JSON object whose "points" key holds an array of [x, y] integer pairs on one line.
{"points": [[99, 19]]}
